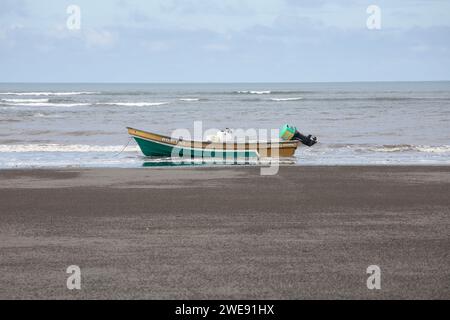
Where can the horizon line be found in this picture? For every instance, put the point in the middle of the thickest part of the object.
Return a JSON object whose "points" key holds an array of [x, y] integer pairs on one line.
{"points": [[219, 82]]}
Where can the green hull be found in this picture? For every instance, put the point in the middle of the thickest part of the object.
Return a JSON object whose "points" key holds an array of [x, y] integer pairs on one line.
{"points": [[156, 149]]}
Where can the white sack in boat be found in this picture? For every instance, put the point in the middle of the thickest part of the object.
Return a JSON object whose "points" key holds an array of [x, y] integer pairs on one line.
{"points": [[222, 136]]}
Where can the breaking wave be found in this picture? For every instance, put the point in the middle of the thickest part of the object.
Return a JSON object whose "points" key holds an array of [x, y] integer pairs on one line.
{"points": [[287, 99], [133, 104], [272, 92], [43, 104], [63, 148], [24, 100], [254, 92], [39, 93], [367, 148], [406, 148], [379, 99], [189, 99]]}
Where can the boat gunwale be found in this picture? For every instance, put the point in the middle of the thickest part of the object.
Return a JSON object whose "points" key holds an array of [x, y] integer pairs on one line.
{"points": [[210, 144]]}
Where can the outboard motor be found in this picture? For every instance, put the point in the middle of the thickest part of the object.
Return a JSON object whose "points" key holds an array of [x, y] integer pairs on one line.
{"points": [[291, 133]]}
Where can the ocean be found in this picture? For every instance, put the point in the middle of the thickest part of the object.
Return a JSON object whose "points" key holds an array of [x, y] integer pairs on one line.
{"points": [[84, 125]]}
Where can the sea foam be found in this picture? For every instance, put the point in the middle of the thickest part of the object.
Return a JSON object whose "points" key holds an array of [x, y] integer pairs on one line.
{"points": [[39, 93], [406, 148], [43, 104], [287, 99], [189, 99], [64, 148], [254, 92], [24, 100], [132, 104]]}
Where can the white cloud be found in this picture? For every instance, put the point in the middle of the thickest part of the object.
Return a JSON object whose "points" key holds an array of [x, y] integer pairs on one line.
{"points": [[244, 40], [99, 38]]}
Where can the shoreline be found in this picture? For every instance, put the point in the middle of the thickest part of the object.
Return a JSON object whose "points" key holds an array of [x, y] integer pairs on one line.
{"points": [[208, 166], [309, 232]]}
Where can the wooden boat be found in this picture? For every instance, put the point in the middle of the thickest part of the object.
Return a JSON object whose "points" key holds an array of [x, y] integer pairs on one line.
{"points": [[156, 145]]}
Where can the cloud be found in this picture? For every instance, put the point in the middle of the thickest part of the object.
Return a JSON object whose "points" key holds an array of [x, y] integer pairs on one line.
{"points": [[247, 41], [99, 38]]}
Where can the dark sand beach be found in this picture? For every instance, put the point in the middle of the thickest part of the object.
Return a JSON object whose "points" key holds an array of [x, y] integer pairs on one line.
{"points": [[228, 233]]}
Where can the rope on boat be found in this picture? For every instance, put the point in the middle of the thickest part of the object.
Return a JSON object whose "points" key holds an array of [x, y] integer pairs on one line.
{"points": [[126, 145]]}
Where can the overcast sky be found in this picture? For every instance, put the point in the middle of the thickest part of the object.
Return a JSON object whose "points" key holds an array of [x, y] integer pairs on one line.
{"points": [[224, 41]]}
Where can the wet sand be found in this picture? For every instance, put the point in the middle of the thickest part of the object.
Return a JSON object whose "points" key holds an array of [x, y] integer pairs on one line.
{"points": [[196, 233]]}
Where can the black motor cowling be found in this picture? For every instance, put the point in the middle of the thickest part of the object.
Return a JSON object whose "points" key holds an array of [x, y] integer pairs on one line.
{"points": [[306, 140]]}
